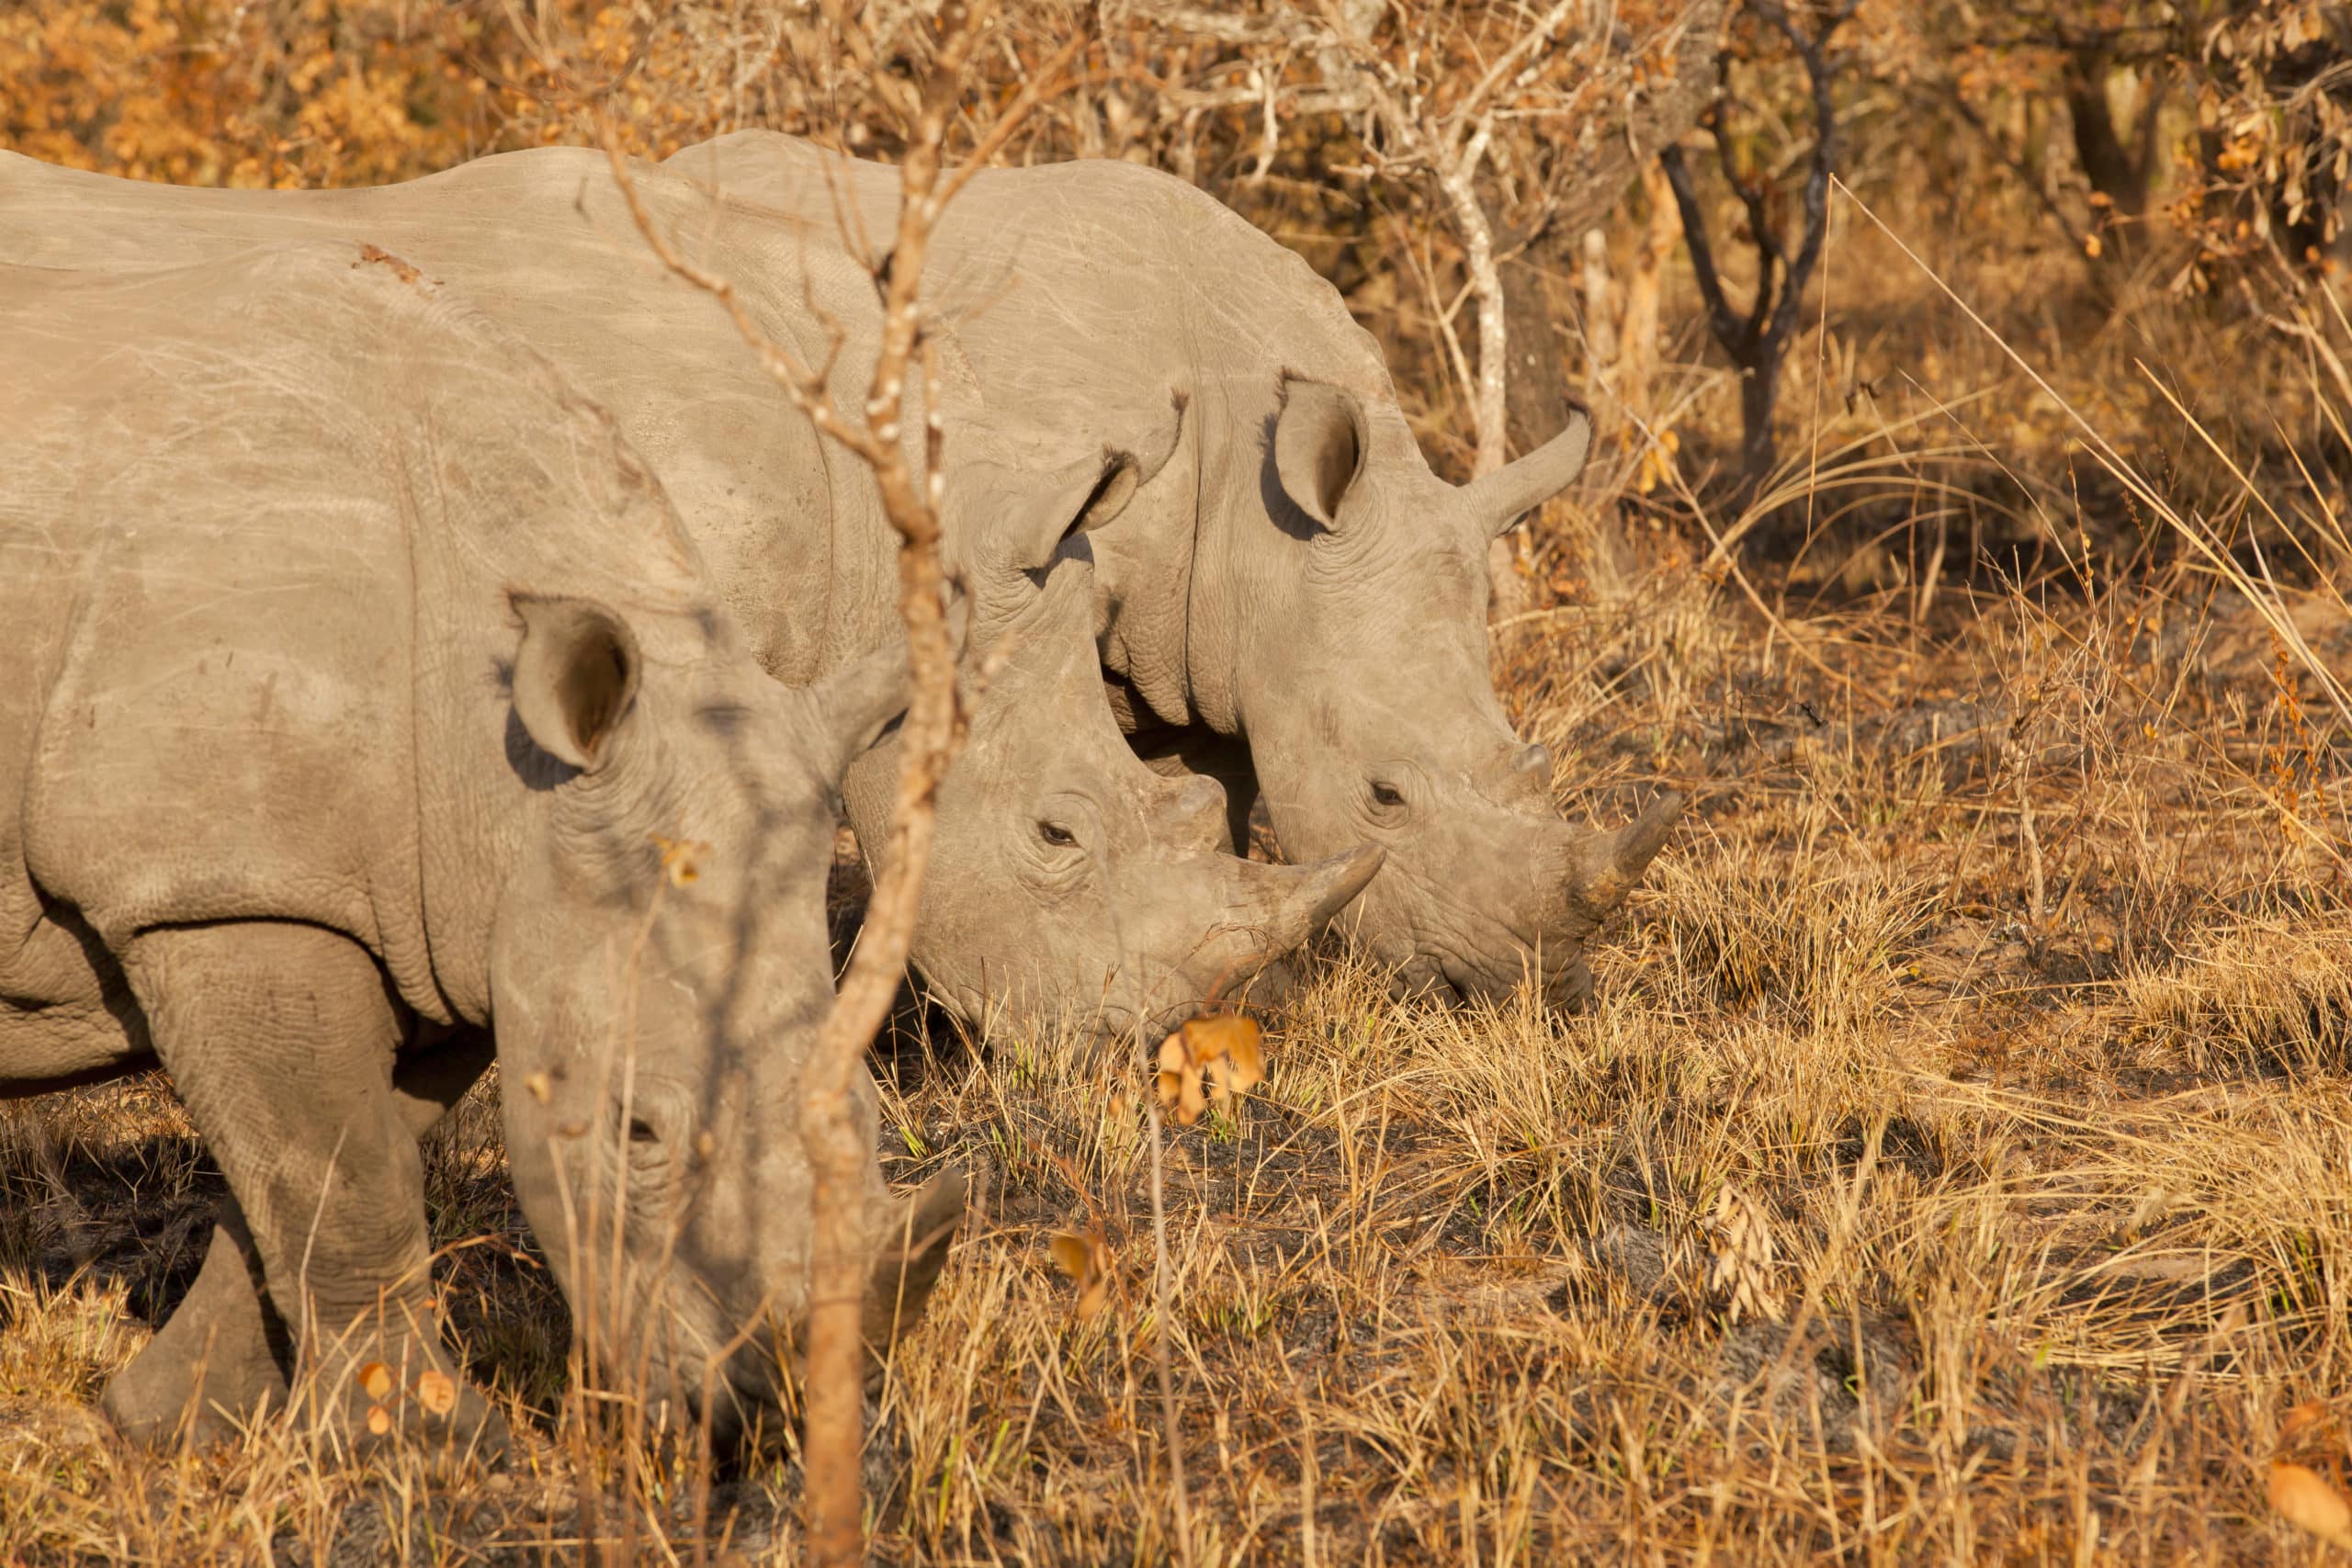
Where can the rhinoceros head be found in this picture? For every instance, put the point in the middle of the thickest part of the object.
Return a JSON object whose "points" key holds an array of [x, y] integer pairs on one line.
{"points": [[659, 970], [1380, 724], [1069, 882]]}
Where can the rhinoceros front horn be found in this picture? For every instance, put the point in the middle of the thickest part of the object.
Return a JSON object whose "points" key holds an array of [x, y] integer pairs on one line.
{"points": [[1601, 868], [1315, 893]]}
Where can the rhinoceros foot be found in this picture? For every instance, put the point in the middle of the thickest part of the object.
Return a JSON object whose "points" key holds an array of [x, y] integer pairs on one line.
{"points": [[217, 1362], [385, 1388], [217, 1365]]}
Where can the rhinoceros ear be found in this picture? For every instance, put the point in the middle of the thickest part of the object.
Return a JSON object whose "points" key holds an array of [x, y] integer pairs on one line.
{"points": [[854, 704], [575, 676], [1005, 490], [1503, 497], [1320, 438], [1035, 512]]}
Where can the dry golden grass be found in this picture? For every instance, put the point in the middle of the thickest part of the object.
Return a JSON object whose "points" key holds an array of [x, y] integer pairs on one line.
{"points": [[1957, 1164], [2036, 1228]]}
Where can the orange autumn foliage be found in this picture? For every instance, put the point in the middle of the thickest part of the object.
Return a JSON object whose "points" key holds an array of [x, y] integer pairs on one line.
{"points": [[315, 93], [274, 93]]}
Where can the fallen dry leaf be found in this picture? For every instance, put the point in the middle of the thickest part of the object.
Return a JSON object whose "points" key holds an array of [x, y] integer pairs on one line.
{"points": [[1223, 1045], [1087, 1259], [1238, 1064], [1179, 1080], [437, 1392], [379, 1420], [2309, 1503], [376, 1379]]}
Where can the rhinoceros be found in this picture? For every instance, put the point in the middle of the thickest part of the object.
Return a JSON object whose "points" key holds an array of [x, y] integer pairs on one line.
{"points": [[368, 714], [1293, 602], [1067, 879]]}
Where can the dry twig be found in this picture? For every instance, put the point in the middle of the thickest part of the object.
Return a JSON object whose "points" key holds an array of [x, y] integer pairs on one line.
{"points": [[934, 729]]}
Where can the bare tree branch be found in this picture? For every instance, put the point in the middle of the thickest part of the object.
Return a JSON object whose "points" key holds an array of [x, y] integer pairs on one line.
{"points": [[1721, 319], [932, 734], [1393, 70]]}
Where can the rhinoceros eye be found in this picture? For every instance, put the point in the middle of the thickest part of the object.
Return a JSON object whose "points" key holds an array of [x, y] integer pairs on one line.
{"points": [[1056, 835], [1387, 795]]}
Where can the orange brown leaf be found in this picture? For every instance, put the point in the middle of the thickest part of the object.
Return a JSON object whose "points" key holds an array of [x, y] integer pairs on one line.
{"points": [[1085, 1258], [2309, 1503], [1232, 1045], [1179, 1080], [437, 1392]]}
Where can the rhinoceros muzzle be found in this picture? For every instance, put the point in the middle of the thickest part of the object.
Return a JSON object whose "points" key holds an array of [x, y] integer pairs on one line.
{"points": [[1452, 938]]}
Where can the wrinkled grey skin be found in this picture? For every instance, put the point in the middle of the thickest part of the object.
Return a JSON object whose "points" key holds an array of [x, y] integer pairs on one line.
{"points": [[1293, 602], [1136, 918], [357, 669], [1188, 923]]}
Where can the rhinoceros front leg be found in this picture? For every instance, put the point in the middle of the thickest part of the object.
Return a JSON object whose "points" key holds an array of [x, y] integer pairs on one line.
{"points": [[280, 1039], [222, 1356]]}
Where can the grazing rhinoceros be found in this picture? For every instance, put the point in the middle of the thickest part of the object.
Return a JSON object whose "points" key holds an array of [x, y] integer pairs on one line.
{"points": [[1293, 602], [368, 713], [1067, 879], [1064, 921]]}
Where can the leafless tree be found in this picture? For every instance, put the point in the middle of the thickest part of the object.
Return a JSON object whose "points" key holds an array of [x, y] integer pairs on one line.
{"points": [[1758, 339]]}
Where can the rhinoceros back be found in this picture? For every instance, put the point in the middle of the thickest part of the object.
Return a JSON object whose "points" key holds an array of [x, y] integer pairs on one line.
{"points": [[542, 242], [1078, 288]]}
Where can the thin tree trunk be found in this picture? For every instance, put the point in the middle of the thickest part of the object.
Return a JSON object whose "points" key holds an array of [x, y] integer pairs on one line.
{"points": [[1534, 389], [1600, 544], [2113, 170], [1490, 405], [1760, 395], [1489, 409], [1600, 307], [1637, 327], [1538, 393]]}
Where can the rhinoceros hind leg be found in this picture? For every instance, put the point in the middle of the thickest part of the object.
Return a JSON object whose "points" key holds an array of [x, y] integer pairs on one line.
{"points": [[281, 1039], [218, 1361]]}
